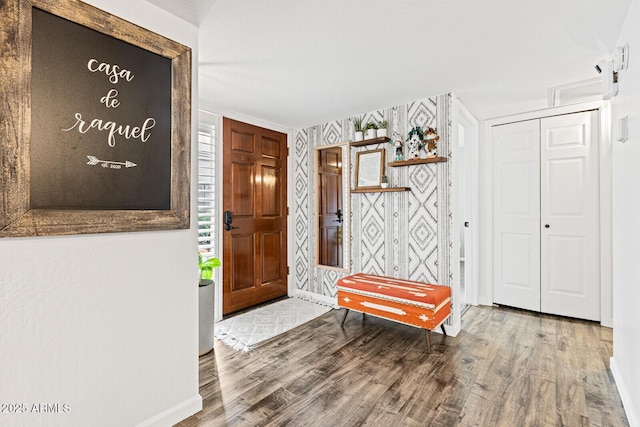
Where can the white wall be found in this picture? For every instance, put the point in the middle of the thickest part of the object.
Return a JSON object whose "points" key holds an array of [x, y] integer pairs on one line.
{"points": [[625, 363], [106, 324]]}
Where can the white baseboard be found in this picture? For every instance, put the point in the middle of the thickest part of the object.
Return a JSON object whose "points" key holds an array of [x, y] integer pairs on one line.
{"points": [[452, 330], [176, 414], [629, 408], [485, 301], [607, 323], [317, 298]]}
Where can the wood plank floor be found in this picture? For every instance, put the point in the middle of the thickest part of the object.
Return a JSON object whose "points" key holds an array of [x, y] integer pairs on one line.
{"points": [[506, 368]]}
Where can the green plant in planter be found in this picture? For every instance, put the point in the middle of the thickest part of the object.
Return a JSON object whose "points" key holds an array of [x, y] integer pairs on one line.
{"points": [[370, 125], [206, 267], [385, 180], [382, 124], [357, 123], [205, 303]]}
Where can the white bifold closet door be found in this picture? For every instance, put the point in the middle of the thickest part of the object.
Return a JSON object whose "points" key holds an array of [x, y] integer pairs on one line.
{"points": [[546, 215]]}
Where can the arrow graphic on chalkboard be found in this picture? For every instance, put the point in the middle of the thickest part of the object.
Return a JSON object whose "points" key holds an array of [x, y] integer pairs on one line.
{"points": [[94, 161]]}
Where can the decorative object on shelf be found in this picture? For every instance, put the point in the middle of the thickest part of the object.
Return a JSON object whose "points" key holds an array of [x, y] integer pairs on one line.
{"points": [[397, 144], [384, 183], [370, 130], [369, 168], [357, 127], [382, 128], [414, 142], [430, 139]]}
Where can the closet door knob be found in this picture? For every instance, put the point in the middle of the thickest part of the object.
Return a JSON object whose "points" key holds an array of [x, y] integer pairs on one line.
{"points": [[547, 226]]}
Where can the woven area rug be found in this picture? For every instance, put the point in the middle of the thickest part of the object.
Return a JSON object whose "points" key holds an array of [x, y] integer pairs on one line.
{"points": [[245, 331]]}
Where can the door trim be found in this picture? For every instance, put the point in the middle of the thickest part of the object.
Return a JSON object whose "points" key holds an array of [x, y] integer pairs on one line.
{"points": [[485, 294]]}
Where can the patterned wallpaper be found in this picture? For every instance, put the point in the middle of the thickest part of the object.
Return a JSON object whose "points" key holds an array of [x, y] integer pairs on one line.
{"points": [[403, 234]]}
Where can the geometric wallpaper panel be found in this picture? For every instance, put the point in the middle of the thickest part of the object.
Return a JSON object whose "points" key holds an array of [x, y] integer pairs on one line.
{"points": [[403, 234]]}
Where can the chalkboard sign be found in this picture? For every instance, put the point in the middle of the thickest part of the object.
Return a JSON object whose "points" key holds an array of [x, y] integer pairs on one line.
{"points": [[100, 122], [97, 135]]}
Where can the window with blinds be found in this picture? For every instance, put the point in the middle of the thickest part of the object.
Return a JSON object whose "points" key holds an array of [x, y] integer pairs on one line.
{"points": [[206, 190]]}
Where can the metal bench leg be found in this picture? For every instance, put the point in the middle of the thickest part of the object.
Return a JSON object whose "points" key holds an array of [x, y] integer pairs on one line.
{"points": [[428, 340], [443, 331], [346, 311]]}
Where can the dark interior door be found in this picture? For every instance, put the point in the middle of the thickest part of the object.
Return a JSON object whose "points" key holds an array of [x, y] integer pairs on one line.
{"points": [[330, 209], [254, 202]]}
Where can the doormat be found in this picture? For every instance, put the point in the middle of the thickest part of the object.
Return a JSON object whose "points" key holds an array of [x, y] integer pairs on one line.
{"points": [[245, 331]]}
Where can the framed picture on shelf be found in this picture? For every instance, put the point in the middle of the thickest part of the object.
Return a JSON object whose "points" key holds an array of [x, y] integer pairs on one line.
{"points": [[369, 168]]}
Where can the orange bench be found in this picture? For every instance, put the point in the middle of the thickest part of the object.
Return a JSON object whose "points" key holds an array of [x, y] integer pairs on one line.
{"points": [[412, 303]]}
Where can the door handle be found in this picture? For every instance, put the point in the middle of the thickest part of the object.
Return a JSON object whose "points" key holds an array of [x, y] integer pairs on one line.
{"points": [[340, 216], [228, 220]]}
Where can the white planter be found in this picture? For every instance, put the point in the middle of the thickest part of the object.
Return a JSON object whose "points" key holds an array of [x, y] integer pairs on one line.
{"points": [[381, 133], [370, 134], [384, 185], [359, 136], [205, 315]]}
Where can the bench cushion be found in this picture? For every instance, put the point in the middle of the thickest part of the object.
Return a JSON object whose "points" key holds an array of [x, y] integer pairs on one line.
{"points": [[413, 303], [406, 291]]}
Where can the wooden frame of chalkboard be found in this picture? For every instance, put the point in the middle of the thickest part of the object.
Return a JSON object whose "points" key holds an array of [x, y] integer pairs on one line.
{"points": [[24, 214]]}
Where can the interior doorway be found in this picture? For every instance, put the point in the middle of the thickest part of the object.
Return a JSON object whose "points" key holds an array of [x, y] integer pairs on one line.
{"points": [[463, 220], [467, 223]]}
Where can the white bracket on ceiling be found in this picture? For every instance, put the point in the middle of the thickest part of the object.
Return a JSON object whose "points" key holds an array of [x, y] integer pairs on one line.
{"points": [[621, 58]]}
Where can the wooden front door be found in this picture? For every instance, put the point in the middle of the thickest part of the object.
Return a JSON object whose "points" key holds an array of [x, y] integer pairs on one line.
{"points": [[255, 215], [330, 213]]}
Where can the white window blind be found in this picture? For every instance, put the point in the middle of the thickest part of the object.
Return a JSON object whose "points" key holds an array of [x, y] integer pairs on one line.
{"points": [[206, 190]]}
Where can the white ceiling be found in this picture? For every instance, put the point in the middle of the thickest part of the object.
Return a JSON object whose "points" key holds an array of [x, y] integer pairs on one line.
{"points": [[298, 63]]}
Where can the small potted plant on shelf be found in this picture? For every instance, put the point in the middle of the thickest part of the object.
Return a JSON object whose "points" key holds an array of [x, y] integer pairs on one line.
{"points": [[382, 129], [370, 130], [205, 303], [357, 127], [384, 183]]}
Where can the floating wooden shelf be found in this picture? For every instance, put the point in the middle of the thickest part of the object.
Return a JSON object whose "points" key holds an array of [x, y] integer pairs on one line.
{"points": [[371, 141], [417, 161], [380, 190]]}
